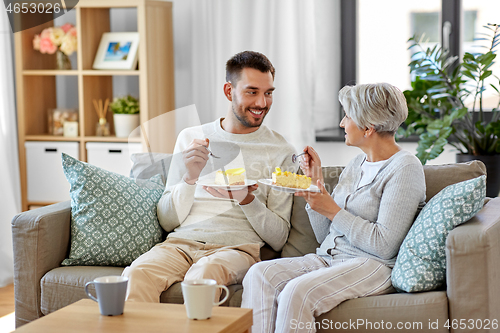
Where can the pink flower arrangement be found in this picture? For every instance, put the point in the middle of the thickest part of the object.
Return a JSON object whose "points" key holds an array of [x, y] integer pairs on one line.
{"points": [[53, 39]]}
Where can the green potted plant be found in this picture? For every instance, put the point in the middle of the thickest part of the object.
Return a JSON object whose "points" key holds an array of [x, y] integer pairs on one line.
{"points": [[125, 115], [437, 109]]}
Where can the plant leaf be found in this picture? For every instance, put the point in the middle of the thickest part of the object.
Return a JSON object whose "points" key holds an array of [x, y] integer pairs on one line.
{"points": [[468, 56], [471, 67], [484, 76], [486, 58], [496, 89], [469, 75]]}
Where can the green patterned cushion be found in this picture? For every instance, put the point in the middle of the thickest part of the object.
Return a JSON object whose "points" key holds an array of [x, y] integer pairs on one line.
{"points": [[421, 262], [113, 217]]}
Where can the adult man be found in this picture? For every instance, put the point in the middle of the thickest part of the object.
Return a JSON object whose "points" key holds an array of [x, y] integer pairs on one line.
{"points": [[216, 233]]}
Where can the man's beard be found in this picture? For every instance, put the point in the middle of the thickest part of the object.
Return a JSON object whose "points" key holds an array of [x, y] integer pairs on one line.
{"points": [[243, 118]]}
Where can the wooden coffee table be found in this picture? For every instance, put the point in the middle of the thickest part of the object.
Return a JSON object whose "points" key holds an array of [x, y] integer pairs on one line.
{"points": [[84, 316]]}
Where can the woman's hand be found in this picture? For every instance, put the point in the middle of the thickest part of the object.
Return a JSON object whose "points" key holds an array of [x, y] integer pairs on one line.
{"points": [[310, 163], [322, 202]]}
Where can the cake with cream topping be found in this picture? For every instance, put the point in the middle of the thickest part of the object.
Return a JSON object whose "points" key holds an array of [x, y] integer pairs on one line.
{"points": [[230, 177], [290, 179]]}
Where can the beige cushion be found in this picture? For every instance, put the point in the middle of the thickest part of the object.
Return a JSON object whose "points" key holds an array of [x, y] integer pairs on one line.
{"points": [[438, 177], [174, 295], [394, 308], [65, 285]]}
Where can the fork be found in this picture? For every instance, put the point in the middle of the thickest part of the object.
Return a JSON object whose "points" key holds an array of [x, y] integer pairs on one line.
{"points": [[211, 154], [294, 157]]}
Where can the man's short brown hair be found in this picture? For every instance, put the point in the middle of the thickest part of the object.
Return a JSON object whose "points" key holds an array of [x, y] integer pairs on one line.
{"points": [[247, 59]]}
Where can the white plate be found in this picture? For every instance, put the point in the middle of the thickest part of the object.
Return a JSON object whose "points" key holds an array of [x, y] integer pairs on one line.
{"points": [[269, 182], [211, 183]]}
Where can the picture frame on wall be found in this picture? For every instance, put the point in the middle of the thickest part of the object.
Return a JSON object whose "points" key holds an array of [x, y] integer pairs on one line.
{"points": [[117, 50]]}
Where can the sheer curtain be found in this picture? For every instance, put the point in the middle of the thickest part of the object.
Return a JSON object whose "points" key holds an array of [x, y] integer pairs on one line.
{"points": [[10, 202], [300, 39]]}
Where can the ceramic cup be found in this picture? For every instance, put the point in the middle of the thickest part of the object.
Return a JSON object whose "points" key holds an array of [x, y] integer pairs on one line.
{"points": [[111, 291], [199, 297]]}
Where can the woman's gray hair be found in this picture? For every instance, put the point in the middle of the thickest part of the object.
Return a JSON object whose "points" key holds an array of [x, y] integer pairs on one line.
{"points": [[379, 105]]}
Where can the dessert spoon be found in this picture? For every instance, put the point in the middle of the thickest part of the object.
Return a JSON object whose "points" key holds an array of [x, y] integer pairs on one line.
{"points": [[294, 157], [211, 154]]}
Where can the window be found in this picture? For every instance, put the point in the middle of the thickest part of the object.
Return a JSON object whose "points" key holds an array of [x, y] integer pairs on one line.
{"points": [[476, 15], [383, 38]]}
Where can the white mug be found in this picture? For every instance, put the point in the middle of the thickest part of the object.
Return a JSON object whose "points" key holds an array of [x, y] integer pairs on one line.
{"points": [[199, 297], [111, 291]]}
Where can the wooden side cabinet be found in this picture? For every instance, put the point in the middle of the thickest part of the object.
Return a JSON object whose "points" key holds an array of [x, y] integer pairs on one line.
{"points": [[37, 90]]}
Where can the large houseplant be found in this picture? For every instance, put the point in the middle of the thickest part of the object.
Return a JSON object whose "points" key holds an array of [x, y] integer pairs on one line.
{"points": [[437, 102]]}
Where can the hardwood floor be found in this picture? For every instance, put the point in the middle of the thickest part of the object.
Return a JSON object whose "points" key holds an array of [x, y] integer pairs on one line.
{"points": [[7, 309], [6, 300]]}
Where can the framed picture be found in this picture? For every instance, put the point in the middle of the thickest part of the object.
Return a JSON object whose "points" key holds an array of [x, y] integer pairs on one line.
{"points": [[117, 50]]}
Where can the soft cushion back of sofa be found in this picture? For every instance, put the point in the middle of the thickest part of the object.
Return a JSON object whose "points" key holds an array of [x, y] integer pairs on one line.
{"points": [[147, 165], [437, 177]]}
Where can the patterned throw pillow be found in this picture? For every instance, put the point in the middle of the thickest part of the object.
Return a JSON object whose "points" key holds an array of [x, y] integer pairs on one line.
{"points": [[113, 217], [421, 262]]}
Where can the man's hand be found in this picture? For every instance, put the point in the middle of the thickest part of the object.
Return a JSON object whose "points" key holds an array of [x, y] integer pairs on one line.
{"points": [[243, 196], [195, 158], [322, 202], [310, 163]]}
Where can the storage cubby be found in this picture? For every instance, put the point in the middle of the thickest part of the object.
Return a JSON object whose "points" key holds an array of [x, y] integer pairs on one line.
{"points": [[96, 21], [32, 59], [41, 87], [96, 87], [41, 95]]}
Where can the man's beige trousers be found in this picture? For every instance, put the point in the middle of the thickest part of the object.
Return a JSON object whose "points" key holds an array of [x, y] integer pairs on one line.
{"points": [[178, 259]]}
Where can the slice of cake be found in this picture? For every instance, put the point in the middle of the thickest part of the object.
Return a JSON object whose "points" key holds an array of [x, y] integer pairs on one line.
{"points": [[290, 179], [230, 177]]}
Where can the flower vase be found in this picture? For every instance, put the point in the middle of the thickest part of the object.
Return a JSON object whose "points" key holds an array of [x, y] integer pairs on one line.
{"points": [[62, 61]]}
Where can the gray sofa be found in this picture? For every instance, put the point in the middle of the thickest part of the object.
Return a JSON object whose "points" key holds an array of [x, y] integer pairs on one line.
{"points": [[41, 240]]}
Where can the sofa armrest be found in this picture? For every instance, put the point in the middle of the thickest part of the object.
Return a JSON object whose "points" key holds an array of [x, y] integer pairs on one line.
{"points": [[41, 241], [473, 267]]}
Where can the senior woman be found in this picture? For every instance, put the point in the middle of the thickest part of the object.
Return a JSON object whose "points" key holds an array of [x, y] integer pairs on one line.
{"points": [[360, 226]]}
